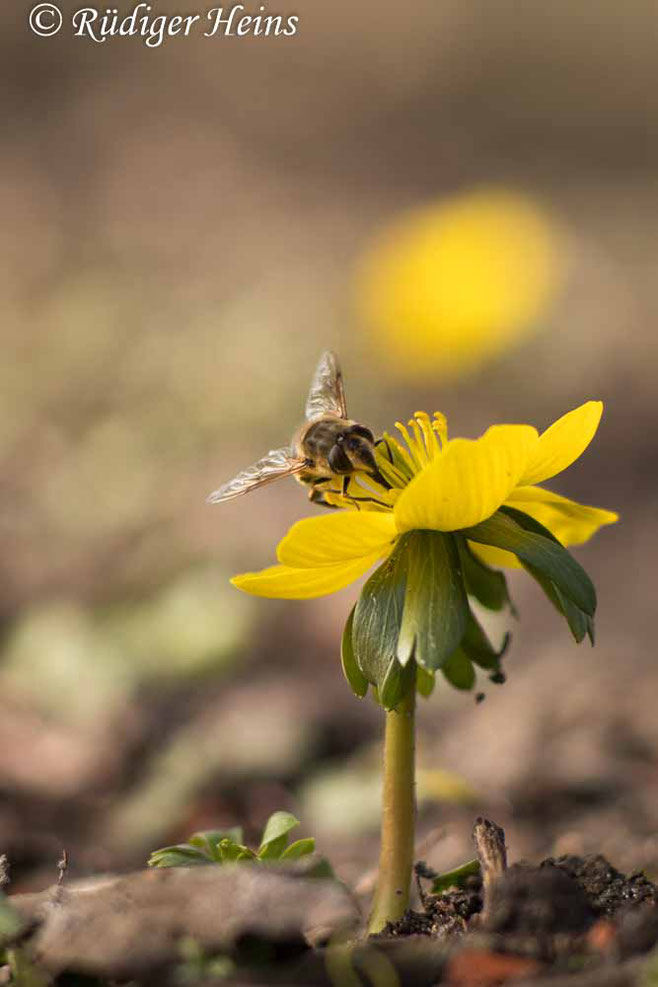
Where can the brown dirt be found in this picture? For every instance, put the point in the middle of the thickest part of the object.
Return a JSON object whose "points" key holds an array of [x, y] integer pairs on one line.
{"points": [[575, 918], [569, 915]]}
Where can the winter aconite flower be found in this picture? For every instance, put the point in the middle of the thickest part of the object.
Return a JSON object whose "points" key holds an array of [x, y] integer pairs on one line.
{"points": [[451, 284], [450, 510], [435, 517]]}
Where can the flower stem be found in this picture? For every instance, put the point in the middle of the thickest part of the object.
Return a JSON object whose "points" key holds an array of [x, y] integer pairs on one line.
{"points": [[398, 816]]}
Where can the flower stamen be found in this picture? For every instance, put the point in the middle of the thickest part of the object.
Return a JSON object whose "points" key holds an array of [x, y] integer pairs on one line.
{"points": [[419, 442], [400, 461], [417, 464], [440, 426], [430, 435]]}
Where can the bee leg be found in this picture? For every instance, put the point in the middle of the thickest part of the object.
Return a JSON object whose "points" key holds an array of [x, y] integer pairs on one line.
{"points": [[383, 442], [345, 486], [376, 475], [368, 500], [381, 480], [356, 500], [316, 496]]}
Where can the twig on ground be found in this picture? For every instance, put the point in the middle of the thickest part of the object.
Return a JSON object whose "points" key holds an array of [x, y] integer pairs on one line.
{"points": [[489, 840], [62, 868], [4, 871]]}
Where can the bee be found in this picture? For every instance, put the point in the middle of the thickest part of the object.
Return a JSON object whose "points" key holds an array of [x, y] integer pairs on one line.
{"points": [[328, 444]]}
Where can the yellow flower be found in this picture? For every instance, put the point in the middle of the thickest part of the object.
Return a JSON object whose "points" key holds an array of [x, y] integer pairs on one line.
{"points": [[449, 285], [444, 485]]}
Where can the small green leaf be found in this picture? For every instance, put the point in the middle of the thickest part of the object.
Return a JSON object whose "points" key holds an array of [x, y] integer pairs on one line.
{"points": [[425, 681], [591, 633], [459, 671], [273, 850], [377, 617], [181, 855], [300, 848], [208, 840], [575, 618], [357, 680], [230, 851], [580, 623], [11, 922], [456, 878], [222, 846], [398, 682], [320, 868], [275, 835], [504, 530], [488, 586], [435, 603], [225, 850], [478, 647]]}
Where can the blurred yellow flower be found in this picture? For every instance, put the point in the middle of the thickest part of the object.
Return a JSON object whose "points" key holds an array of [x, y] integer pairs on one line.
{"points": [[448, 286]]}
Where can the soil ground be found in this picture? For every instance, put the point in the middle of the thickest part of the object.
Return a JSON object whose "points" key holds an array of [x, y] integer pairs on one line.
{"points": [[571, 919]]}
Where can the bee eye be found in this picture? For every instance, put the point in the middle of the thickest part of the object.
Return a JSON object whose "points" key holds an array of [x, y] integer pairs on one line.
{"points": [[364, 432], [338, 461]]}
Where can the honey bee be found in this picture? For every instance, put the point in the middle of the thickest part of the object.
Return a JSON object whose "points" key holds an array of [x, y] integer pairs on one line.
{"points": [[327, 445]]}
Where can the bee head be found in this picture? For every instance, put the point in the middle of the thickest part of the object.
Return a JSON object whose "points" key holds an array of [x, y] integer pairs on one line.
{"points": [[354, 450]]}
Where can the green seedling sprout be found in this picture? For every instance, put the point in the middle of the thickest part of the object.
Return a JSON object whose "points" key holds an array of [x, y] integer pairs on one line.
{"points": [[439, 518], [225, 846], [458, 877]]}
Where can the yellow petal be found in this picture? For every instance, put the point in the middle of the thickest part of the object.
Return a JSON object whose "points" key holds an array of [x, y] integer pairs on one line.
{"points": [[561, 444], [285, 582], [497, 558], [467, 481], [570, 522], [334, 538]]}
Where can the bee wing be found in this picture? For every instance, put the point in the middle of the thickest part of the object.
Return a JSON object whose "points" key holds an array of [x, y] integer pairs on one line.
{"points": [[326, 396], [278, 463]]}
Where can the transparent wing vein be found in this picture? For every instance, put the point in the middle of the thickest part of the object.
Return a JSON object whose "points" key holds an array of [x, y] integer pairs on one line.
{"points": [[326, 396], [275, 465]]}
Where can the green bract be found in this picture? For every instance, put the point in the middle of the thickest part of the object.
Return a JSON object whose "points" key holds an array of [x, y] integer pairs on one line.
{"points": [[415, 607]]}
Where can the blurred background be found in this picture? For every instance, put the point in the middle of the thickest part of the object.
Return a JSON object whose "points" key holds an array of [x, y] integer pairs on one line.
{"points": [[461, 200]]}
